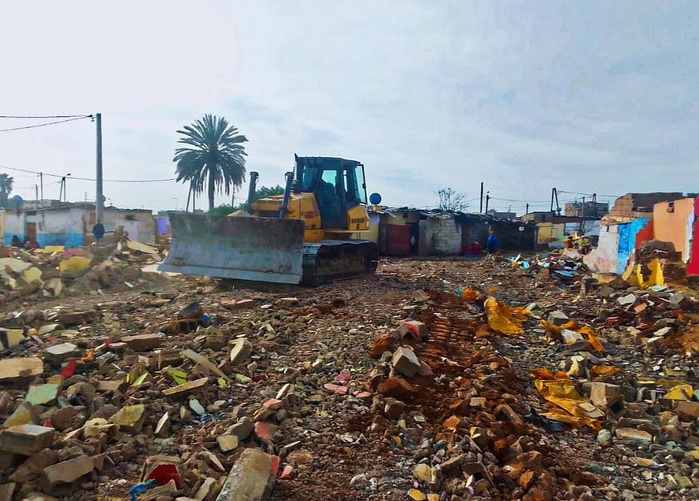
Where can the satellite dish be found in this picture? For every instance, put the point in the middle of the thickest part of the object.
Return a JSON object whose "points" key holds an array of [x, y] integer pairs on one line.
{"points": [[375, 199], [16, 202]]}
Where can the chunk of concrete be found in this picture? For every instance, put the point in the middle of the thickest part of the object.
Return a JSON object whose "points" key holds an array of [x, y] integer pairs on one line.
{"points": [[26, 439], [634, 435], [558, 318], [143, 342], [42, 394], [24, 414], [250, 478], [627, 300], [59, 353], [11, 337], [130, 418], [405, 362], [16, 368], [243, 428], [31, 469], [66, 472], [62, 419], [7, 491], [227, 442], [187, 387], [604, 395], [241, 351], [418, 330]]}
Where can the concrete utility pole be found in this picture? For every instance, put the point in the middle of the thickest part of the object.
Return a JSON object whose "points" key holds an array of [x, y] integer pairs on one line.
{"points": [[481, 209], [41, 181], [99, 203]]}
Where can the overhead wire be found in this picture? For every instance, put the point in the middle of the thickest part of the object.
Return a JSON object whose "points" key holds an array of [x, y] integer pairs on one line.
{"points": [[44, 117], [46, 124], [90, 179]]}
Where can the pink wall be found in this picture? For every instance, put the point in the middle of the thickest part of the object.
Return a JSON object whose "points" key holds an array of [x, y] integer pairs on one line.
{"points": [[675, 226]]}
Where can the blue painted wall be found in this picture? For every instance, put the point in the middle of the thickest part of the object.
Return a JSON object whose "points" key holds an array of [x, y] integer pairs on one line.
{"points": [[627, 241], [68, 240]]}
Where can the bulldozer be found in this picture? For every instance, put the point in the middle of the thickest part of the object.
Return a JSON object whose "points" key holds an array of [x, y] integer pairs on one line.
{"points": [[305, 236]]}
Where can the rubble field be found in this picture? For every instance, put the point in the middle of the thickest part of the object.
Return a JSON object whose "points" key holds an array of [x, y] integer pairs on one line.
{"points": [[522, 378]]}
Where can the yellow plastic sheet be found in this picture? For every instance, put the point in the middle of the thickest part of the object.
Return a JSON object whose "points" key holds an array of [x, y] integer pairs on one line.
{"points": [[564, 401], [469, 295], [505, 319], [75, 263], [680, 392], [604, 370], [555, 332]]}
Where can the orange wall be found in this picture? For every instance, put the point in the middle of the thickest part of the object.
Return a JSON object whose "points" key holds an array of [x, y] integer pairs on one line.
{"points": [[675, 226]]}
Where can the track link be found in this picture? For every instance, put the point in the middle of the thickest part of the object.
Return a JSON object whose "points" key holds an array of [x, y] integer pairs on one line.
{"points": [[332, 260]]}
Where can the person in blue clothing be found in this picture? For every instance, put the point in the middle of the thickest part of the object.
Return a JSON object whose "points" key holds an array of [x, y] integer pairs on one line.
{"points": [[492, 243]]}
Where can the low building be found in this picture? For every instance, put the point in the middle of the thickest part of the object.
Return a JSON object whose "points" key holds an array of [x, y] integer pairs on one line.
{"points": [[414, 232], [71, 224], [586, 209], [629, 224]]}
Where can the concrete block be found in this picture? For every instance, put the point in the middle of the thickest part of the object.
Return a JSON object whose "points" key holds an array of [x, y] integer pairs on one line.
{"points": [[250, 478], [57, 354], [558, 318], [417, 329], [66, 472], [241, 351], [243, 428], [143, 342], [15, 368], [604, 396], [24, 414], [405, 362], [26, 439]]}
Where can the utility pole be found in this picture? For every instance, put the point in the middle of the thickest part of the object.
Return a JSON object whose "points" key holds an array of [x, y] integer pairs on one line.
{"points": [[36, 189], [481, 209], [99, 203], [487, 201], [41, 180], [527, 210]]}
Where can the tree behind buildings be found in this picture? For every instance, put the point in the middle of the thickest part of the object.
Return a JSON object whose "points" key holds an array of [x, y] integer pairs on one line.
{"points": [[214, 158]]}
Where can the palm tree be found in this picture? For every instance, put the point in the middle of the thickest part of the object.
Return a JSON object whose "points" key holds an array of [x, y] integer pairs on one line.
{"points": [[214, 157], [6, 183]]}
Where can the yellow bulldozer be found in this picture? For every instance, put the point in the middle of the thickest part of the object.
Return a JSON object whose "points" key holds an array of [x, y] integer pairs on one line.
{"points": [[306, 236]]}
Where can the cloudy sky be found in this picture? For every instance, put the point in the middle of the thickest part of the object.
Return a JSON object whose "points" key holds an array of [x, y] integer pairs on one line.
{"points": [[587, 97]]}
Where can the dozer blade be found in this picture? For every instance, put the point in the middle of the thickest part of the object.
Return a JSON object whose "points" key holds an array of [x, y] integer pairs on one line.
{"points": [[241, 248]]}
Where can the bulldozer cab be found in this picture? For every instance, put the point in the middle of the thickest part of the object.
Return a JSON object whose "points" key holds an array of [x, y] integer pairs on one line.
{"points": [[338, 185]]}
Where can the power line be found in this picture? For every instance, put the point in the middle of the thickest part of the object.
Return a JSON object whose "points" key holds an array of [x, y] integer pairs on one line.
{"points": [[91, 179], [45, 117], [521, 201], [45, 124], [588, 194]]}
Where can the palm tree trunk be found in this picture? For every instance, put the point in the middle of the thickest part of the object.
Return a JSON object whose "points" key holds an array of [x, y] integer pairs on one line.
{"points": [[189, 196], [211, 186]]}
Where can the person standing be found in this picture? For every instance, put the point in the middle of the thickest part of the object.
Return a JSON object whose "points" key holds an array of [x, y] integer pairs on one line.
{"points": [[492, 243], [98, 232]]}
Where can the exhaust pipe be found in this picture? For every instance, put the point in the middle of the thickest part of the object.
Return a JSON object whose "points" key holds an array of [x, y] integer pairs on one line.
{"points": [[283, 210], [252, 189]]}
